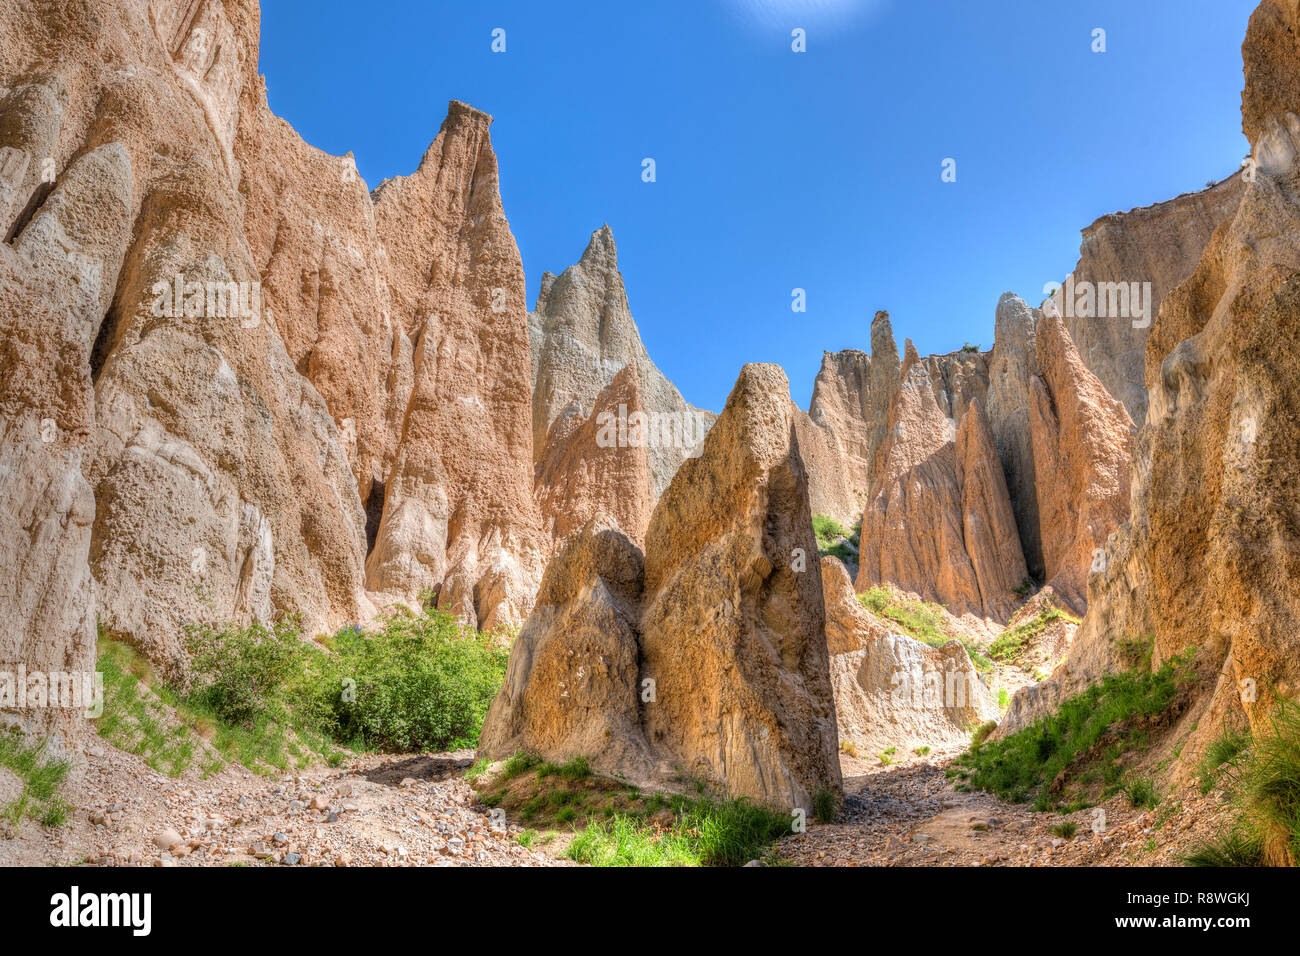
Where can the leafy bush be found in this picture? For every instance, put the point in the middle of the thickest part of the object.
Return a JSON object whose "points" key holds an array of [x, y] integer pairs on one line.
{"points": [[239, 673], [418, 683]]}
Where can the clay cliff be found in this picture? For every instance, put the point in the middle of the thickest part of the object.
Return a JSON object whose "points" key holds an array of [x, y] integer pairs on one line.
{"points": [[582, 335], [1159, 244], [939, 523], [846, 423], [1207, 563], [267, 391], [718, 667]]}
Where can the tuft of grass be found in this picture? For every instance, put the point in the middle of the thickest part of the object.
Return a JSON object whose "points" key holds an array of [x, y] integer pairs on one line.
{"points": [[1142, 793], [42, 779], [521, 762], [1066, 830], [1233, 849], [1023, 764], [1269, 785], [826, 806], [704, 833], [923, 751], [1223, 754], [848, 747]]}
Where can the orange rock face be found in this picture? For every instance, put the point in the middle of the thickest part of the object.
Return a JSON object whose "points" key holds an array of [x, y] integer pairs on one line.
{"points": [[1082, 440], [598, 465], [269, 390], [1208, 562], [939, 523], [1159, 245], [731, 628]]}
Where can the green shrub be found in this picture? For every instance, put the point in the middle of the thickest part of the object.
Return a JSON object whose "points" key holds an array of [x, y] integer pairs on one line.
{"points": [[419, 683], [239, 673]]}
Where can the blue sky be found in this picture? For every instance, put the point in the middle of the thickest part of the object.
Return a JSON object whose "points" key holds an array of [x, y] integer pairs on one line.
{"points": [[776, 170]]}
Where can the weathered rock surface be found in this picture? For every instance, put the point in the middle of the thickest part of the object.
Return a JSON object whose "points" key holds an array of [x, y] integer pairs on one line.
{"points": [[572, 688], [892, 690], [1011, 367], [732, 632], [590, 467], [1082, 440], [1210, 557], [939, 523], [582, 334], [847, 421], [1159, 244], [257, 374], [458, 513]]}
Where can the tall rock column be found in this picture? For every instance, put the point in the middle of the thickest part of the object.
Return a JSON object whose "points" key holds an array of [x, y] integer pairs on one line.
{"points": [[734, 628]]}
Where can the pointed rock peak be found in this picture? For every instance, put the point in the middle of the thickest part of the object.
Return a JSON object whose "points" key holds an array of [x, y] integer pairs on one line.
{"points": [[625, 381], [882, 338], [1013, 317], [601, 248], [458, 112], [911, 356], [544, 292]]}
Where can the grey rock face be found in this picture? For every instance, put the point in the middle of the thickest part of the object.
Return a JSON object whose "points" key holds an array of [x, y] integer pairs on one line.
{"points": [[581, 335]]}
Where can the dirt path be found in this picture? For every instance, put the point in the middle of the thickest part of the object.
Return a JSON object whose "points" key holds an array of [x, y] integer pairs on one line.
{"points": [[419, 811], [379, 811], [909, 815]]}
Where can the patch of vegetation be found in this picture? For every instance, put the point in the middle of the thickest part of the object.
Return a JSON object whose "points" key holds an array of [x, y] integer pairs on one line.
{"points": [[834, 540], [1066, 830], [1004, 698], [1090, 733], [1267, 786], [922, 751], [136, 719], [1222, 755], [1025, 588], [702, 833], [269, 699], [982, 732], [849, 747], [616, 824], [922, 620], [1013, 642], [41, 778], [1234, 848], [826, 806], [1142, 793]]}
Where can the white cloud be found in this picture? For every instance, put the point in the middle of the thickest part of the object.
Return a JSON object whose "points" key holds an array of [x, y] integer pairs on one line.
{"points": [[789, 14]]}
